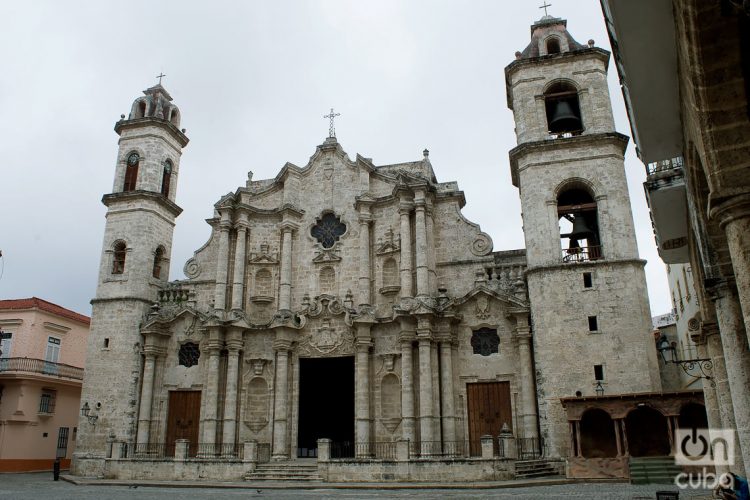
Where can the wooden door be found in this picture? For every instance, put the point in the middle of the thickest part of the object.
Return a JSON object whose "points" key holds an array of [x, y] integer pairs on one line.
{"points": [[489, 408], [183, 419]]}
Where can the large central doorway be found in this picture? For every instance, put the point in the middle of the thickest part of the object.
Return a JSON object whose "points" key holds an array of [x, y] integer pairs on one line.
{"points": [[326, 402]]}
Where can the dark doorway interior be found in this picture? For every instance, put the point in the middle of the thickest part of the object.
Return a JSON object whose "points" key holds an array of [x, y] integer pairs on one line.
{"points": [[326, 402], [647, 433]]}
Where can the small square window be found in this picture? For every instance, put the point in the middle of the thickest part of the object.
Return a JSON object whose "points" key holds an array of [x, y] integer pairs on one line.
{"points": [[593, 326], [587, 281], [106, 343], [599, 373]]}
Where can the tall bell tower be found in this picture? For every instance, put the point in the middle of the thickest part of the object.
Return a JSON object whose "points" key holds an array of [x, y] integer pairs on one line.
{"points": [[587, 287], [141, 213]]}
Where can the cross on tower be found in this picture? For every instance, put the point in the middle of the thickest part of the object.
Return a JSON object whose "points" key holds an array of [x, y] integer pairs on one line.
{"points": [[544, 6], [160, 76], [331, 129]]}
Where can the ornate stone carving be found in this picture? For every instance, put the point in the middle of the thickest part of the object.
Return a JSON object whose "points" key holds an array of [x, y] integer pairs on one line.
{"points": [[327, 341], [264, 255], [192, 269], [482, 245], [257, 364], [482, 306], [390, 244], [326, 256]]}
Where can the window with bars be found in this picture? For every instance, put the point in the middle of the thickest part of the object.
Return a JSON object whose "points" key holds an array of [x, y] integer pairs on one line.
{"points": [[47, 401]]}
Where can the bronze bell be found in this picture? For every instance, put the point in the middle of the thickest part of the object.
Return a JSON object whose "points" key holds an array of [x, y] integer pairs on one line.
{"points": [[581, 230], [563, 118]]}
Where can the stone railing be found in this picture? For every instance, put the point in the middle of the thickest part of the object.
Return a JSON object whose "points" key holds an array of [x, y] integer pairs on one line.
{"points": [[34, 365]]}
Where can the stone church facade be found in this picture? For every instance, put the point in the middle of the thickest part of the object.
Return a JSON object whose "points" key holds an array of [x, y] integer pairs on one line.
{"points": [[348, 310]]}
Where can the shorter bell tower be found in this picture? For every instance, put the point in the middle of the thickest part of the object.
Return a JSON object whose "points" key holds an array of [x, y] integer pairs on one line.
{"points": [[134, 266], [587, 287]]}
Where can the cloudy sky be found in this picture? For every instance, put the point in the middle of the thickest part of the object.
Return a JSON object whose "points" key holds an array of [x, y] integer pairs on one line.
{"points": [[253, 80]]}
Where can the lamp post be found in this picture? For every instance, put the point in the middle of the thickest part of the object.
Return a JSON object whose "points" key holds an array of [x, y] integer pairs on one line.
{"points": [[86, 412], [598, 388], [669, 354]]}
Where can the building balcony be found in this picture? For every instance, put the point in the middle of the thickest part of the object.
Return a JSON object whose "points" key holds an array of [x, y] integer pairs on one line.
{"points": [[667, 199], [19, 366]]}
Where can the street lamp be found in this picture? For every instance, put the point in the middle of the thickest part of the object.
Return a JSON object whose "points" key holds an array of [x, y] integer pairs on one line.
{"points": [[598, 388], [669, 354], [86, 412]]}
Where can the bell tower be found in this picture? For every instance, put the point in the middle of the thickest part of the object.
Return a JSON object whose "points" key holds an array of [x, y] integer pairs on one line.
{"points": [[141, 213], [587, 286]]}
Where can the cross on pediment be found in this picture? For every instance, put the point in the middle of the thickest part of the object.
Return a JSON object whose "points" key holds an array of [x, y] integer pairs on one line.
{"points": [[331, 128], [544, 6]]}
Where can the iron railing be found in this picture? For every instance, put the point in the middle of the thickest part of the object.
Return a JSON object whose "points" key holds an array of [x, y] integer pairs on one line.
{"points": [[665, 165], [529, 448], [444, 449], [380, 450], [217, 451], [150, 450], [34, 365], [582, 254]]}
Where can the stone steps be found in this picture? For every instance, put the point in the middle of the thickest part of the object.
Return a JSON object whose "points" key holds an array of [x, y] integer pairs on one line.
{"points": [[653, 470], [526, 469], [285, 471]]}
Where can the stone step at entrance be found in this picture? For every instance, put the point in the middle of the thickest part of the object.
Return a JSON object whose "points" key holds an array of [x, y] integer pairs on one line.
{"points": [[285, 471], [653, 470], [526, 469]]}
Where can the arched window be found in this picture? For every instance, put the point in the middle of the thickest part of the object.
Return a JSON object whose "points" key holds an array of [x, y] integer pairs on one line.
{"points": [[118, 257], [165, 177], [328, 229], [553, 45], [158, 259], [131, 172], [563, 110], [174, 117], [141, 110], [579, 226]]}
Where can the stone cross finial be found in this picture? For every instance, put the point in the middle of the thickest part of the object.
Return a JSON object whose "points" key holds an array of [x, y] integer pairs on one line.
{"points": [[160, 76], [544, 6]]}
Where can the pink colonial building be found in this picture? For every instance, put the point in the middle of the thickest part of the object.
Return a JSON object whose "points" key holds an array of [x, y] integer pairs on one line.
{"points": [[41, 371]]}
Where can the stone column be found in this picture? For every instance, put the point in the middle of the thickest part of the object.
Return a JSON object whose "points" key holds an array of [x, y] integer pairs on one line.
{"points": [[147, 396], [365, 268], [432, 284], [446, 385], [212, 388], [624, 435], [234, 344], [404, 210], [280, 401], [618, 438], [425, 391], [723, 396], [362, 391], [528, 398], [736, 360], [238, 282], [579, 453], [407, 389], [285, 285], [734, 217], [222, 262], [420, 242]]}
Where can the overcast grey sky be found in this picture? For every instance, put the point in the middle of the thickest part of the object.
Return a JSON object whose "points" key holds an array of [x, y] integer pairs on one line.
{"points": [[253, 80]]}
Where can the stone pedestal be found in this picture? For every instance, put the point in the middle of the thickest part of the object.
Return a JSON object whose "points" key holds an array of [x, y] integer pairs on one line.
{"points": [[507, 444], [402, 450], [250, 451], [324, 450], [181, 449], [487, 446]]}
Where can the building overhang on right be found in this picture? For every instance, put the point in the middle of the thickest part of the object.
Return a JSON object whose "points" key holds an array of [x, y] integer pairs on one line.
{"points": [[642, 35]]}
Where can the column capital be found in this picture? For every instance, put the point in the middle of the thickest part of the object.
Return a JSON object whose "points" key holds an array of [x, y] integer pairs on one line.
{"points": [[405, 337], [282, 345], [235, 345], [225, 224], [721, 288], [213, 347], [405, 207], [363, 345], [152, 351], [288, 226], [731, 208], [242, 225]]}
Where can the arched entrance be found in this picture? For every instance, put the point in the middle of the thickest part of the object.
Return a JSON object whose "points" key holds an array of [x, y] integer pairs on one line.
{"points": [[647, 433], [598, 434]]}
